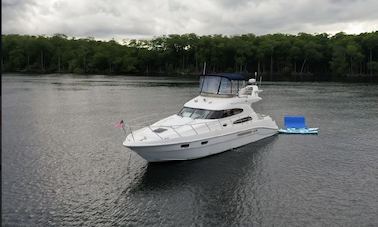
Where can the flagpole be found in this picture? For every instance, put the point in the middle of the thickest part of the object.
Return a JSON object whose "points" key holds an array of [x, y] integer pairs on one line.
{"points": [[123, 127]]}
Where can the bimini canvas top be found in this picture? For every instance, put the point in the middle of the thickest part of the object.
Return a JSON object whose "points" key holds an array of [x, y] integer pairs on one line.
{"points": [[230, 76], [221, 84]]}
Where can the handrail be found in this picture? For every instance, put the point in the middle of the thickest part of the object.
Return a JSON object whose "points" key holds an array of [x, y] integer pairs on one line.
{"points": [[173, 127], [194, 129], [132, 134], [207, 126], [176, 131], [167, 126], [190, 124]]}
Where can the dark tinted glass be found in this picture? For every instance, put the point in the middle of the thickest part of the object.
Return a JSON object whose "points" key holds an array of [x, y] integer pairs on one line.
{"points": [[215, 115], [224, 113], [243, 120], [207, 114]]}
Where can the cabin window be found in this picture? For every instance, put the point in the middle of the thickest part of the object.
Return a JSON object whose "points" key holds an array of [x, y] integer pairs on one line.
{"points": [[200, 114], [223, 113], [215, 115], [231, 112], [186, 112], [207, 114], [242, 120]]}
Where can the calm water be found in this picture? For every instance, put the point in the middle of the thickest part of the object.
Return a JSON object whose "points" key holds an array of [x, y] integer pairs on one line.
{"points": [[63, 162]]}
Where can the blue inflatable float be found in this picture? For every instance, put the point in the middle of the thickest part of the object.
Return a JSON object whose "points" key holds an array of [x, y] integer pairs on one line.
{"points": [[297, 125]]}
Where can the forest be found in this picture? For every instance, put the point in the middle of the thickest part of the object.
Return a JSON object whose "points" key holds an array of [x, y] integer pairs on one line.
{"points": [[276, 57]]}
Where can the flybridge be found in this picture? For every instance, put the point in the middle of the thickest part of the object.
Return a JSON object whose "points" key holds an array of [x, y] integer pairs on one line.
{"points": [[222, 84]]}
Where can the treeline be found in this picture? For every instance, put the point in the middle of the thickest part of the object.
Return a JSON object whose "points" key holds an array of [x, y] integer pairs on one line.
{"points": [[276, 57]]}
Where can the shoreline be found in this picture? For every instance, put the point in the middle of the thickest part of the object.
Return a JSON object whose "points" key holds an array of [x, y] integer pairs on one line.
{"points": [[348, 79]]}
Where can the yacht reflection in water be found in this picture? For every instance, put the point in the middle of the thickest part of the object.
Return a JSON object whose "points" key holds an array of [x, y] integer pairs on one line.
{"points": [[210, 186]]}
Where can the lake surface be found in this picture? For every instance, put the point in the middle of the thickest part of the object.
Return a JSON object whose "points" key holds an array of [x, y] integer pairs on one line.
{"points": [[63, 162]]}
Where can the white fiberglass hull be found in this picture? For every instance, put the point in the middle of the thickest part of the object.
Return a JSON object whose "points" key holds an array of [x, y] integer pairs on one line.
{"points": [[201, 148]]}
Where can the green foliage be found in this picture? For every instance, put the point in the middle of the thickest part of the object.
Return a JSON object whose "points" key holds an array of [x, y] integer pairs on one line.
{"points": [[280, 56]]}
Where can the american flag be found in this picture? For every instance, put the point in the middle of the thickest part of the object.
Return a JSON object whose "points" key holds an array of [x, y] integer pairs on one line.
{"points": [[120, 124]]}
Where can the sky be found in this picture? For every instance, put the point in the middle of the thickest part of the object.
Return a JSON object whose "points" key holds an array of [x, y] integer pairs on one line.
{"points": [[140, 19]]}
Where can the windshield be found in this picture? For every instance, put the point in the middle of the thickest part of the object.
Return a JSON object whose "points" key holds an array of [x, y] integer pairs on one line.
{"points": [[210, 84], [200, 114]]}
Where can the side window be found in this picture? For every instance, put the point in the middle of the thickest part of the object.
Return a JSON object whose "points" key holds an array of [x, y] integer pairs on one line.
{"points": [[241, 120], [215, 115], [231, 112], [236, 111], [241, 84], [223, 113], [235, 86], [227, 113]]}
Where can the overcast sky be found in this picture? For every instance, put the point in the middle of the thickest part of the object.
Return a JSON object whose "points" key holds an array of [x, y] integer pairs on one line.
{"points": [[119, 19]]}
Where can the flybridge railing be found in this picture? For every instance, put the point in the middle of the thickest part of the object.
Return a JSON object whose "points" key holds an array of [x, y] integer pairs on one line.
{"points": [[209, 126]]}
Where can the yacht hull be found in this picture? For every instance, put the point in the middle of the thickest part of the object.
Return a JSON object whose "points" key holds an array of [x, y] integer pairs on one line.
{"points": [[199, 148]]}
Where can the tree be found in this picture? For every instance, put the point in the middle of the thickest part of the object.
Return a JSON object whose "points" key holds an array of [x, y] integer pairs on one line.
{"points": [[279, 55]]}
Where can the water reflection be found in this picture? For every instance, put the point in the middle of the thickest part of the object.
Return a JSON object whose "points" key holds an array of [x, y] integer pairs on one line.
{"points": [[204, 170], [206, 185]]}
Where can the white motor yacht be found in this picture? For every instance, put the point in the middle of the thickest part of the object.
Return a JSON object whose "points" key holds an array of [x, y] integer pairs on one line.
{"points": [[219, 119]]}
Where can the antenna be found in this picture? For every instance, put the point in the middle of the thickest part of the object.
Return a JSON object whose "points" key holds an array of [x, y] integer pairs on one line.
{"points": [[204, 68]]}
